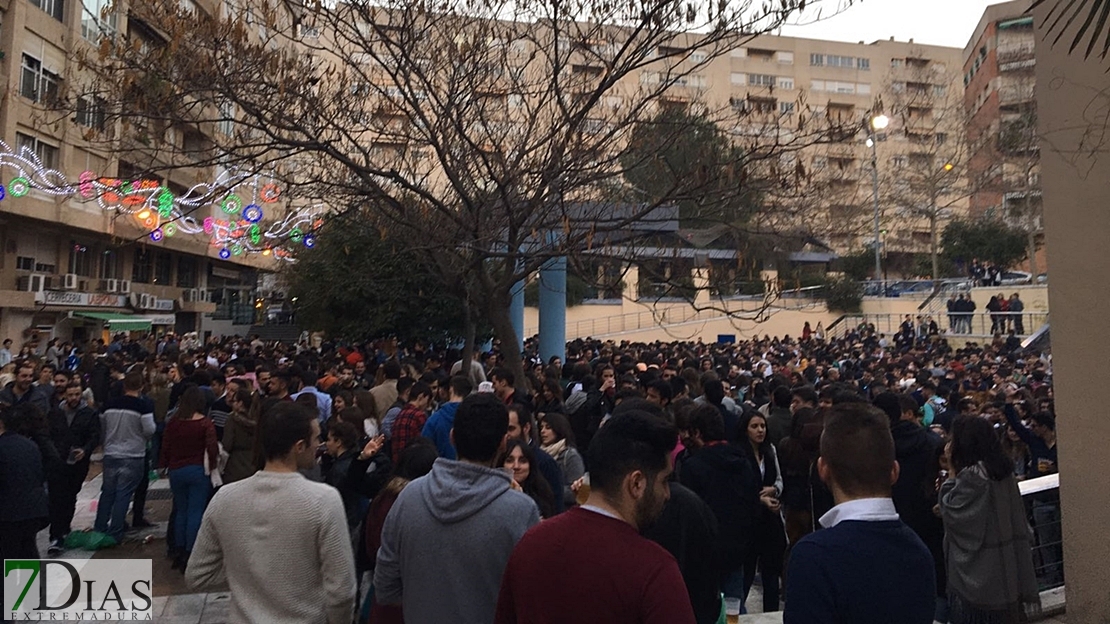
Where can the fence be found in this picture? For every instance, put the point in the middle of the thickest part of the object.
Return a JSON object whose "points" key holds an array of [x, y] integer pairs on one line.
{"points": [[977, 324], [1042, 504]]}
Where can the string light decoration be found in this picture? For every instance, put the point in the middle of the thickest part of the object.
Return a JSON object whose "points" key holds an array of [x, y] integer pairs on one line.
{"points": [[228, 211]]}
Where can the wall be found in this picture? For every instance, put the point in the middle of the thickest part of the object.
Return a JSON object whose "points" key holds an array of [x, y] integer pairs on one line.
{"points": [[1073, 101]]}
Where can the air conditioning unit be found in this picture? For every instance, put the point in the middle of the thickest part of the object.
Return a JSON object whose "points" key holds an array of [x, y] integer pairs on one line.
{"points": [[69, 281], [146, 301], [109, 285], [33, 283], [124, 287]]}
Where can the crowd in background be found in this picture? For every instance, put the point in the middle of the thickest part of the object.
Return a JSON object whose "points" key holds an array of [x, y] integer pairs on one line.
{"points": [[743, 484]]}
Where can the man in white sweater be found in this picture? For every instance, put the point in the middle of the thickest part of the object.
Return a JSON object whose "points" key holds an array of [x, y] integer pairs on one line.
{"points": [[279, 540]]}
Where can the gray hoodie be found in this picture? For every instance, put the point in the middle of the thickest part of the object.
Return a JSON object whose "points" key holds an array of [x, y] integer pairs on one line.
{"points": [[446, 541]]}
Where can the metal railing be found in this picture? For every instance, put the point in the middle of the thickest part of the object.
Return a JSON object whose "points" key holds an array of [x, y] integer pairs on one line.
{"points": [[1042, 503], [977, 324]]}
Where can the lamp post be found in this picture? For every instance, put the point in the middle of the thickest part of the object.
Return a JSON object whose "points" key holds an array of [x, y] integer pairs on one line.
{"points": [[878, 122]]}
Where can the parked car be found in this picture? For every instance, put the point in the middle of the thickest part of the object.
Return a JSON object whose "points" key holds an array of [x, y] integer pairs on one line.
{"points": [[1010, 278]]}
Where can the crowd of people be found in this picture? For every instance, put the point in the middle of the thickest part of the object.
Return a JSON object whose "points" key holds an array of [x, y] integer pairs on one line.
{"points": [[858, 479]]}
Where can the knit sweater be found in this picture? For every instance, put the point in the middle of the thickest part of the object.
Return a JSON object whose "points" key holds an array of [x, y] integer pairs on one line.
{"points": [[281, 543]]}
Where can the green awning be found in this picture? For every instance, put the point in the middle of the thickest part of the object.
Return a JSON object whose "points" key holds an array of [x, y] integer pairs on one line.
{"points": [[118, 321]]}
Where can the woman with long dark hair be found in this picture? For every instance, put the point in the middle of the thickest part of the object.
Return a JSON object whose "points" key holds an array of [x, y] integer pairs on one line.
{"points": [[557, 440], [189, 435], [521, 460], [987, 540], [767, 545], [239, 435]]}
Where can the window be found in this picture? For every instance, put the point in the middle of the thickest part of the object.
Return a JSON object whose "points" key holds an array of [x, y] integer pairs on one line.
{"points": [[833, 60], [817, 60], [111, 265], [739, 79], [786, 83], [863, 88], [699, 57], [817, 85], [786, 108], [47, 154], [142, 270], [939, 90], [739, 53], [187, 272], [941, 138], [97, 20], [863, 64], [80, 259], [898, 87], [761, 80], [896, 63], [819, 163], [90, 113], [163, 268], [54, 8], [24, 263], [36, 83], [898, 162], [226, 123], [786, 58]]}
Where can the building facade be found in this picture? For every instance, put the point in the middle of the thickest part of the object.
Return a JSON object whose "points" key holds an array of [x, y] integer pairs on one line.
{"points": [[78, 257], [999, 94]]}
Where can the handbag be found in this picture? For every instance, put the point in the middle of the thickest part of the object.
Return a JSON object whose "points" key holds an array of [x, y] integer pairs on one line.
{"points": [[215, 472]]}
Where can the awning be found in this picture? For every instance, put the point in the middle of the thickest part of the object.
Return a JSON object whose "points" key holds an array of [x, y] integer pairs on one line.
{"points": [[117, 321]]}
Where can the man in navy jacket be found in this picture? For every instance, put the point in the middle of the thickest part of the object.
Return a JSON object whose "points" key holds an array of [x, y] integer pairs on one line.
{"points": [[866, 565]]}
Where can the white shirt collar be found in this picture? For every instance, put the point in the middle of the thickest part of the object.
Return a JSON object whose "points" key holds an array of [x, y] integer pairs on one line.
{"points": [[864, 509]]}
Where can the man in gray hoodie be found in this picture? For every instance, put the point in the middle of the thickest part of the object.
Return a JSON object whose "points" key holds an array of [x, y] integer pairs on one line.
{"points": [[447, 539]]}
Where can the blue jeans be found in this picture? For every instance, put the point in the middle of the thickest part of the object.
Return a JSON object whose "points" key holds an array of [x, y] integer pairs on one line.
{"points": [[121, 476], [191, 491]]}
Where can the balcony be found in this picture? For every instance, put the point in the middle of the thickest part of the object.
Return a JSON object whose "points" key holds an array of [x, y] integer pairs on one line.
{"points": [[1015, 95], [1016, 57]]}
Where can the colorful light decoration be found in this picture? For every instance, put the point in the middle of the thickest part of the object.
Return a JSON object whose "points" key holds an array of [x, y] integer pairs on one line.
{"points": [[225, 253], [19, 186], [157, 208], [310, 241], [252, 213], [157, 234]]}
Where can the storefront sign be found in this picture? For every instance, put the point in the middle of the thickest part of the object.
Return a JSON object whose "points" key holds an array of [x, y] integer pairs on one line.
{"points": [[226, 273], [70, 298], [165, 319], [151, 303]]}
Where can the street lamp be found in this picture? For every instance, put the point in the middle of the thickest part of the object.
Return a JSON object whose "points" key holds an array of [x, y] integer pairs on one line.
{"points": [[878, 122]]}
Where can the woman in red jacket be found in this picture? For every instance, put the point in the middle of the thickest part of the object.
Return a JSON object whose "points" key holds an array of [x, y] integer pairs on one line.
{"points": [[189, 435]]}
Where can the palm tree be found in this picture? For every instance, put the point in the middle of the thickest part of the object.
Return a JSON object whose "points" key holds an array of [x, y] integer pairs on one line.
{"points": [[1064, 19]]}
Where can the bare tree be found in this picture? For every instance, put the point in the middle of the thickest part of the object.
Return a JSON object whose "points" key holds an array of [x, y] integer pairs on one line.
{"points": [[926, 178], [488, 134]]}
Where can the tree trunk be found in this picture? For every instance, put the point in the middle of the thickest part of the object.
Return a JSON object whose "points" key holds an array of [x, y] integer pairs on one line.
{"points": [[498, 314], [1031, 241], [934, 245], [471, 328]]}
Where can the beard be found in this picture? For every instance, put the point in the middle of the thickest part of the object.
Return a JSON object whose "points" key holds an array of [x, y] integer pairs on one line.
{"points": [[648, 509]]}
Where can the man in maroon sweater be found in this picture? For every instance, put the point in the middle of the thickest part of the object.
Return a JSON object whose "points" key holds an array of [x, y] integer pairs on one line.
{"points": [[590, 564]]}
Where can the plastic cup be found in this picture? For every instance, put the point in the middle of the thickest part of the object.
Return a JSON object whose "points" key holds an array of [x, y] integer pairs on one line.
{"points": [[732, 610]]}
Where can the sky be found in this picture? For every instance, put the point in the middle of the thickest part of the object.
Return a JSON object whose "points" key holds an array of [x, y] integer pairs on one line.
{"points": [[936, 22]]}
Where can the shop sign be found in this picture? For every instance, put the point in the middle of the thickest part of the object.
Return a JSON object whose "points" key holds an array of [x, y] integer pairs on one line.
{"points": [[82, 299]]}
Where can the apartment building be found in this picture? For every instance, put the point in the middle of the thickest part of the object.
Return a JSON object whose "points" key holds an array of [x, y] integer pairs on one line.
{"points": [[999, 93], [78, 262]]}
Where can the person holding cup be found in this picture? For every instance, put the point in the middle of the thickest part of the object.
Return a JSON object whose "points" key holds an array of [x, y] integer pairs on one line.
{"points": [[75, 431]]}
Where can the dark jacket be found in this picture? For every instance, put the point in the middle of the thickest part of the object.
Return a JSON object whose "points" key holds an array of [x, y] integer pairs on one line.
{"points": [[21, 481], [550, 471], [722, 476], [688, 530], [39, 396], [82, 432], [918, 451]]}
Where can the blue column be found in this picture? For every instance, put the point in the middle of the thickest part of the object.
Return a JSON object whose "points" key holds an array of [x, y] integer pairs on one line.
{"points": [[553, 309], [516, 312]]}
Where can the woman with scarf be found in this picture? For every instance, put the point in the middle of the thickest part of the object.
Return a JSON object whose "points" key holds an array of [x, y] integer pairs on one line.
{"points": [[239, 436], [987, 540], [557, 440]]}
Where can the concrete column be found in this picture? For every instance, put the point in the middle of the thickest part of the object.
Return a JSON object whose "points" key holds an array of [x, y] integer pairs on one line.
{"points": [[516, 312], [1071, 103], [553, 309], [701, 284]]}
